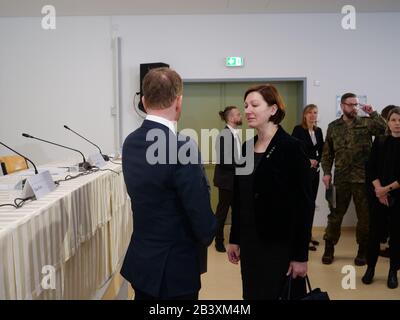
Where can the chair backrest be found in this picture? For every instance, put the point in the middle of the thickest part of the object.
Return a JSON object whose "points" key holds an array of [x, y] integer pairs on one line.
{"points": [[3, 168], [10, 164]]}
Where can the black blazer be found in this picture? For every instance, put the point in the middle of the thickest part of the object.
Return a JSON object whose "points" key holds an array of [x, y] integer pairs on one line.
{"points": [[225, 168], [383, 164], [283, 201], [172, 217], [312, 152]]}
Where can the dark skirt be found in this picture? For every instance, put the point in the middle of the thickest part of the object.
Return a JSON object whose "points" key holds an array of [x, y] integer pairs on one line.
{"points": [[264, 268], [264, 264]]}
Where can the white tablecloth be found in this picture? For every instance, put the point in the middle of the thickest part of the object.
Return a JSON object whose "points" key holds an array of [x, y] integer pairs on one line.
{"points": [[82, 229]]}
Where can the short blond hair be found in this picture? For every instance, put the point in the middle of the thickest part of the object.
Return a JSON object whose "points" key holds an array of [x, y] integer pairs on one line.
{"points": [[161, 86]]}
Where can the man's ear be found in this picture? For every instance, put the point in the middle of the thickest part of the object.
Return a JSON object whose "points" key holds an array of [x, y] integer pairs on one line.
{"points": [[179, 103], [144, 104]]}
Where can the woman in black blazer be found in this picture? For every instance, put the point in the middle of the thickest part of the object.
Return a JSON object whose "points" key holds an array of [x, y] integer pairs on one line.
{"points": [[272, 208], [384, 173], [313, 141]]}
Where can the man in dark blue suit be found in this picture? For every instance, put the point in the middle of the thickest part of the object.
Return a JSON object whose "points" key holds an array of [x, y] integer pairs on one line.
{"points": [[172, 217]]}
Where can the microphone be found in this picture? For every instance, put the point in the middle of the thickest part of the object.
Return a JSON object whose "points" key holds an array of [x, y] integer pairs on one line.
{"points": [[105, 157], [85, 165], [30, 161]]}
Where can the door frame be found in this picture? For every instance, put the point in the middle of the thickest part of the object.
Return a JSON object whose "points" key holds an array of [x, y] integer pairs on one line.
{"points": [[302, 80]]}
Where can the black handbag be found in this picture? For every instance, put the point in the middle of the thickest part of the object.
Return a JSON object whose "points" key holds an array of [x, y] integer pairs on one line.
{"points": [[312, 294]]}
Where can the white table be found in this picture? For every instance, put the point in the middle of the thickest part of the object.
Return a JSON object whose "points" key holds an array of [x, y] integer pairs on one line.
{"points": [[82, 229]]}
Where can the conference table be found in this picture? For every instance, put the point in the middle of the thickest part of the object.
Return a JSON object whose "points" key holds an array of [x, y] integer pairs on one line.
{"points": [[68, 244]]}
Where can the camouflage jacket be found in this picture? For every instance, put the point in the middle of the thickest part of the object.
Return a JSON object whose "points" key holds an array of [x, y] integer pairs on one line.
{"points": [[349, 145]]}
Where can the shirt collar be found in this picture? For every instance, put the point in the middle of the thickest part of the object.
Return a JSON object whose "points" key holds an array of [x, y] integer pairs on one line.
{"points": [[170, 124], [233, 130]]}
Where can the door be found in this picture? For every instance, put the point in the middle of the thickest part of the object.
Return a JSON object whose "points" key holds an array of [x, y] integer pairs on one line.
{"points": [[203, 100]]}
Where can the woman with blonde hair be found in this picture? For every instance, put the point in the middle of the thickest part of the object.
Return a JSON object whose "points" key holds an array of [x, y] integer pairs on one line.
{"points": [[313, 141]]}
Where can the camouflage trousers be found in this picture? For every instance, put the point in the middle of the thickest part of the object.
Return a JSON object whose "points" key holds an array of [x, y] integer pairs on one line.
{"points": [[344, 193]]}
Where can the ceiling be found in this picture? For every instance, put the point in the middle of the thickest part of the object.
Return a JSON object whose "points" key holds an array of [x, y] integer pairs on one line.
{"points": [[27, 8]]}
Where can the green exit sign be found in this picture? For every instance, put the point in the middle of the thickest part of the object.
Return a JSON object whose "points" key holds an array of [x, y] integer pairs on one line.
{"points": [[234, 61]]}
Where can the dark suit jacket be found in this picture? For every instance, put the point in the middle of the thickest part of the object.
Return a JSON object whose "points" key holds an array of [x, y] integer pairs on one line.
{"points": [[312, 152], [225, 168], [282, 196], [172, 216]]}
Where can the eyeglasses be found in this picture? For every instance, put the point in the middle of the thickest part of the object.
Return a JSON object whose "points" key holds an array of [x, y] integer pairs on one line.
{"points": [[354, 105]]}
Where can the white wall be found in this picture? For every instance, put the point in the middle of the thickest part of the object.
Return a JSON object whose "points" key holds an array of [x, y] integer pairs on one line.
{"points": [[65, 76], [314, 46], [364, 60], [55, 77]]}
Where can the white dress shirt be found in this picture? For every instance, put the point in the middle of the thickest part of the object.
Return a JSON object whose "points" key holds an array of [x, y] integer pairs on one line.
{"points": [[237, 140], [168, 123]]}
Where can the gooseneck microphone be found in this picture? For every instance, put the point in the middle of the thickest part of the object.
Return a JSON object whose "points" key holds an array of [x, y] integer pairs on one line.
{"points": [[85, 165], [105, 157], [27, 159]]}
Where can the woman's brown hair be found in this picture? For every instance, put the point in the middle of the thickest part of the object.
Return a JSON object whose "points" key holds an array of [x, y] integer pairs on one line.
{"points": [[271, 96]]}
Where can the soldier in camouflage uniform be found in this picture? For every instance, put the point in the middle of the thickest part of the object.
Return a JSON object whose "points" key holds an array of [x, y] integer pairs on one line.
{"points": [[348, 143]]}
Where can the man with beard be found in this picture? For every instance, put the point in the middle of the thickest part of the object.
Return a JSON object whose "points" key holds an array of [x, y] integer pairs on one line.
{"points": [[348, 144], [228, 149]]}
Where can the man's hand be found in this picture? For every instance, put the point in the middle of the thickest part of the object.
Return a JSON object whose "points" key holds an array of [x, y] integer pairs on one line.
{"points": [[367, 108], [326, 179], [233, 253]]}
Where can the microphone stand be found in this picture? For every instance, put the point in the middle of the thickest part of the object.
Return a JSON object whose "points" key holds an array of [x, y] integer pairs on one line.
{"points": [[85, 165], [105, 157]]}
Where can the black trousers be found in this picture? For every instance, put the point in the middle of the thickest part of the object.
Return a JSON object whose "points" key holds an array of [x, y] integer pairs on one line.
{"points": [[383, 218], [314, 188], [264, 267], [140, 295], [383, 226], [225, 198]]}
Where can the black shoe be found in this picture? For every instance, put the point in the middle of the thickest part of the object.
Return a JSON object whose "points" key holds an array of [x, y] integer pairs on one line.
{"points": [[327, 258], [220, 247], [315, 242], [392, 282], [385, 252], [368, 276], [360, 259]]}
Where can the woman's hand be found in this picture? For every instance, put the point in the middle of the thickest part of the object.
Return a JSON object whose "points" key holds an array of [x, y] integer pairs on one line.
{"points": [[314, 163], [381, 191], [233, 253], [297, 269], [384, 200]]}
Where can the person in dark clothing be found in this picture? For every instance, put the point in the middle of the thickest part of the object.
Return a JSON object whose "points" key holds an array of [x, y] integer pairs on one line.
{"points": [[173, 219], [383, 252], [313, 141], [228, 147], [273, 206], [384, 172]]}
